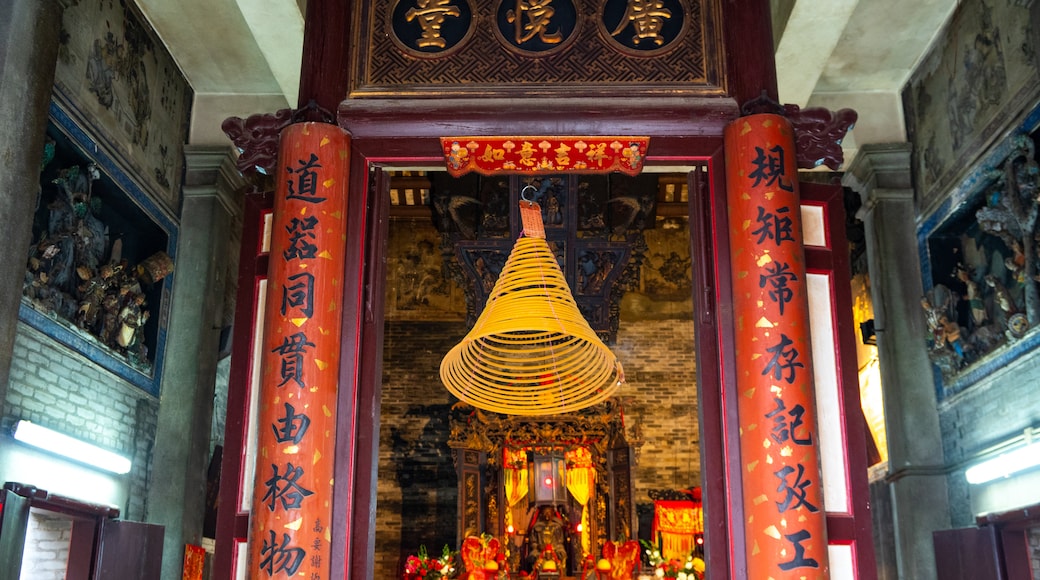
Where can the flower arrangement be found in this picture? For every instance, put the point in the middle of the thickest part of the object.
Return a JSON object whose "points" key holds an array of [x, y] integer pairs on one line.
{"points": [[483, 558], [423, 567], [690, 569]]}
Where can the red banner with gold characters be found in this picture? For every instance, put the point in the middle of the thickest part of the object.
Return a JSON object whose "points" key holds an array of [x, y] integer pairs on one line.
{"points": [[194, 562], [491, 155], [292, 493], [783, 495]]}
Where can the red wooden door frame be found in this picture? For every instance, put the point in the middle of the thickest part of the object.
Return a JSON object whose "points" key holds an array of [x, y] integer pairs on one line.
{"points": [[354, 523], [233, 523], [360, 388], [851, 527]]}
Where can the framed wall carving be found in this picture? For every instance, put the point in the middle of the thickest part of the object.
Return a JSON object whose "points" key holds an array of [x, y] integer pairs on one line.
{"points": [[970, 87], [98, 267], [980, 262], [115, 72]]}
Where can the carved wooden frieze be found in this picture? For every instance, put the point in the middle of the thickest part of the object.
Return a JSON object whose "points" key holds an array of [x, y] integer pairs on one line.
{"points": [[465, 47], [596, 427]]}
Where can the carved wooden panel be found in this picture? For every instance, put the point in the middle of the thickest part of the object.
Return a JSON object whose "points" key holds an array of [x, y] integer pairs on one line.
{"points": [[460, 47], [622, 508]]}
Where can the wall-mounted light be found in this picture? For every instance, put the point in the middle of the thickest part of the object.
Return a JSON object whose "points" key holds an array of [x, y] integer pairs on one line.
{"points": [[61, 444], [1005, 464], [867, 332]]}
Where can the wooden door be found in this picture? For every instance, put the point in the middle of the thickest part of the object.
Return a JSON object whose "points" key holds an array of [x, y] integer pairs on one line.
{"points": [[14, 518], [129, 551], [969, 554]]}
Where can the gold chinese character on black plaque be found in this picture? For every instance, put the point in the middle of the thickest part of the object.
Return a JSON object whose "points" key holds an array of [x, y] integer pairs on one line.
{"points": [[431, 28], [645, 27], [537, 27]]}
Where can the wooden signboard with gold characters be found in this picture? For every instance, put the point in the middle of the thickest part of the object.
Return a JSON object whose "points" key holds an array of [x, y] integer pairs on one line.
{"points": [[465, 47]]}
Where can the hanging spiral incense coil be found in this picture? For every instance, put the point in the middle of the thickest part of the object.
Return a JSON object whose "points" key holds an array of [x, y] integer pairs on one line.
{"points": [[531, 352]]}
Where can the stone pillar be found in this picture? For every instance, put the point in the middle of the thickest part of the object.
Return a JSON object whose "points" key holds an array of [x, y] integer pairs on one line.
{"points": [[177, 488], [917, 485], [29, 31]]}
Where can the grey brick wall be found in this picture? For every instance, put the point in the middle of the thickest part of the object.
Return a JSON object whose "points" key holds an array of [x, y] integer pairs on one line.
{"points": [[46, 552], [660, 396], [58, 388], [995, 409]]}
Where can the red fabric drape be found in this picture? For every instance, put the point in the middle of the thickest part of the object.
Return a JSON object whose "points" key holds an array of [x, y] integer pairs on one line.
{"points": [[678, 522]]}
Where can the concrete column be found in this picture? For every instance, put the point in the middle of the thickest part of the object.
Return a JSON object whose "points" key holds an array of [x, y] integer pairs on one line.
{"points": [[916, 479], [177, 488], [29, 31]]}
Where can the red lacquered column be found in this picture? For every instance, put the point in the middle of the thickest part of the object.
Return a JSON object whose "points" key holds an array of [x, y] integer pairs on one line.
{"points": [[292, 494], [785, 526]]}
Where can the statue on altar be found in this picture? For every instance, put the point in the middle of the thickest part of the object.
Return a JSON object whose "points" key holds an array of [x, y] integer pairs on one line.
{"points": [[546, 537]]}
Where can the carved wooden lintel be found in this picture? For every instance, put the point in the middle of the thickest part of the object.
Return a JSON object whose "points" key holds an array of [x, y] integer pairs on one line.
{"points": [[598, 427]]}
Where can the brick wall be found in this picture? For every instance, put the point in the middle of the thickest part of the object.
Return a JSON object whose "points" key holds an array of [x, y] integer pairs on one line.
{"points": [[660, 396], [416, 489], [60, 389], [998, 407], [46, 552]]}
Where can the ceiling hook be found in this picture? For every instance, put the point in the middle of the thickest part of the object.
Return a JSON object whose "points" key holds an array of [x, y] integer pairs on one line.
{"points": [[523, 193]]}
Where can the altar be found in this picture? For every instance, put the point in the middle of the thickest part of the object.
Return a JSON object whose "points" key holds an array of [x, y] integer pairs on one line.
{"points": [[552, 488]]}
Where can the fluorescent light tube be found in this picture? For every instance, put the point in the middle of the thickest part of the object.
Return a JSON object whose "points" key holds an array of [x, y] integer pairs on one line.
{"points": [[44, 438], [1005, 464]]}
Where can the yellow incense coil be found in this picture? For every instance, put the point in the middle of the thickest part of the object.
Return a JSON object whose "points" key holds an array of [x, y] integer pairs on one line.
{"points": [[531, 352]]}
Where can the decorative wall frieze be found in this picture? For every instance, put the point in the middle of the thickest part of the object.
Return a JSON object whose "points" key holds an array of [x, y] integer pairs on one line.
{"points": [[984, 293]]}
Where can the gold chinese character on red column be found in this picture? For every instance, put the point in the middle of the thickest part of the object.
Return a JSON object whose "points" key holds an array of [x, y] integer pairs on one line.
{"points": [[647, 17], [532, 19], [430, 15]]}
